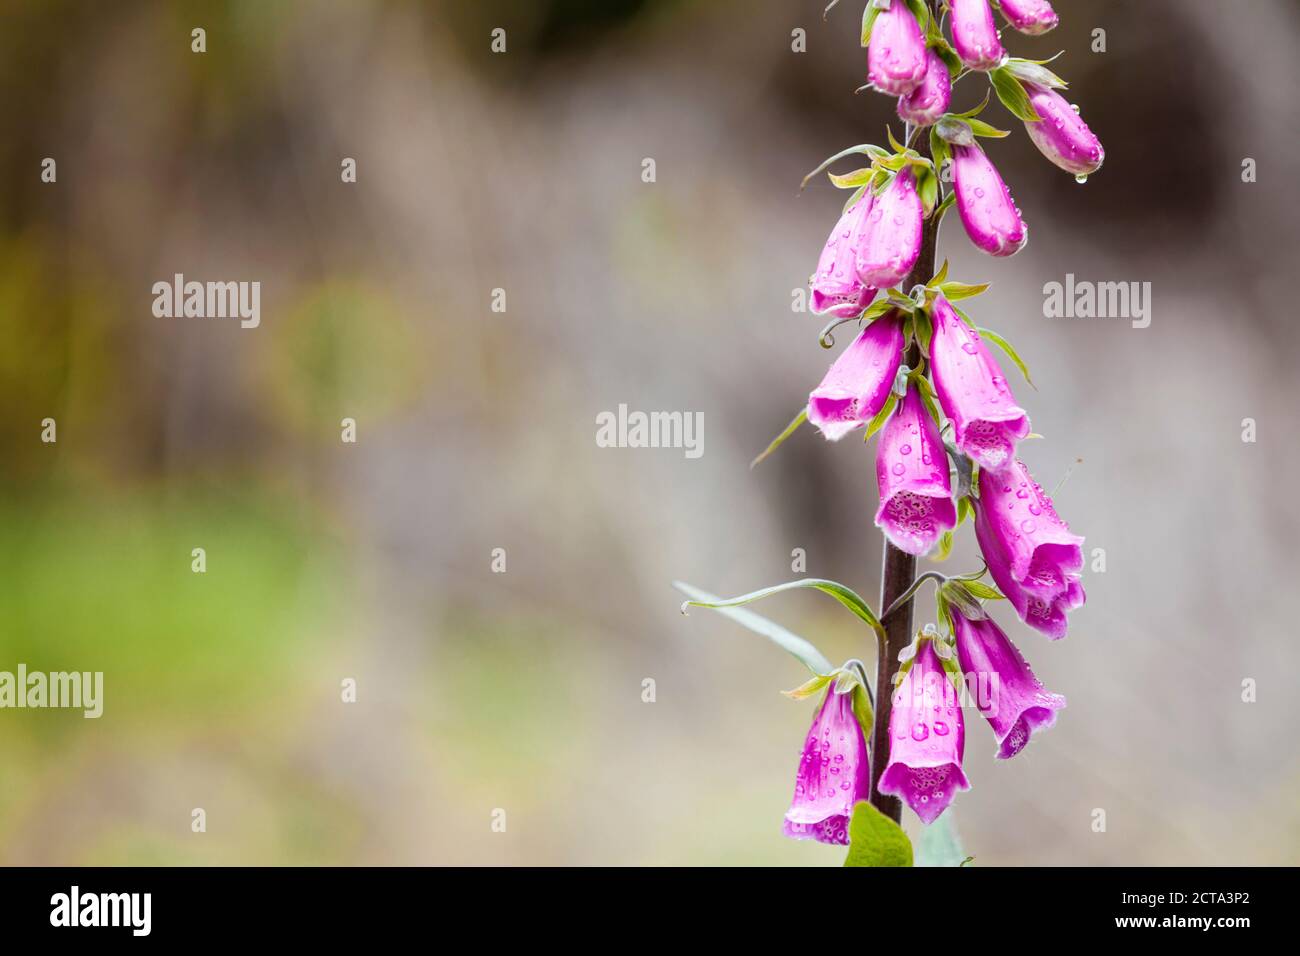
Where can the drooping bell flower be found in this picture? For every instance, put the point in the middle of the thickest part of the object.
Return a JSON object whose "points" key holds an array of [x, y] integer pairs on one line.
{"points": [[896, 51], [929, 101], [912, 474], [984, 202], [974, 34], [833, 775], [1030, 16], [1016, 703], [858, 382], [973, 392], [1031, 553], [836, 287], [1062, 135], [891, 241], [926, 739]]}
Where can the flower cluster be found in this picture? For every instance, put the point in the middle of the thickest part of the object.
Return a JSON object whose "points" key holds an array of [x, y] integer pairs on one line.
{"points": [[922, 375]]}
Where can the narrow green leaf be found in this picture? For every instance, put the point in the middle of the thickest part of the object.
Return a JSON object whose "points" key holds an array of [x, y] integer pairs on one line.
{"points": [[941, 275], [846, 596], [793, 644], [789, 430], [876, 840], [1013, 95], [1005, 346]]}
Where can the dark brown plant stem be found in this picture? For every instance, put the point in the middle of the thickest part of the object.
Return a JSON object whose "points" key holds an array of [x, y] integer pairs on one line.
{"points": [[898, 569]]}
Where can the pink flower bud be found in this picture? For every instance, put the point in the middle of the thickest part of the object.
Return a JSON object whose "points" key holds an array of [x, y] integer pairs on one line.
{"points": [[836, 287], [1032, 556], [912, 474], [973, 392], [891, 241], [974, 35], [834, 773], [1030, 16], [1062, 135], [1016, 704], [926, 739], [984, 202], [929, 101], [857, 384], [896, 52]]}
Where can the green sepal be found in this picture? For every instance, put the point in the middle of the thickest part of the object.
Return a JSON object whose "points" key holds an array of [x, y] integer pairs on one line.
{"points": [[1013, 95], [776, 442], [928, 189], [971, 114], [983, 591], [955, 291], [868, 22], [944, 549], [981, 128], [859, 177], [876, 840], [956, 131], [809, 687], [1034, 71], [874, 152], [882, 416], [939, 150]]}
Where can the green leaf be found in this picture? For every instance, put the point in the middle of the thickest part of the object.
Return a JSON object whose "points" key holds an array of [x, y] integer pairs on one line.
{"points": [[793, 644], [789, 430], [1005, 346], [1013, 95], [876, 840], [846, 596], [882, 416], [941, 275], [956, 291], [939, 844]]}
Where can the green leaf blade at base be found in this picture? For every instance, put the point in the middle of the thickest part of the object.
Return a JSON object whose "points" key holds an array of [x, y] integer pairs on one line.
{"points": [[876, 840]]}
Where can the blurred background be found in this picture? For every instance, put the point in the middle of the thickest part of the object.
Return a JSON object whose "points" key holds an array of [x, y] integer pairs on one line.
{"points": [[522, 691]]}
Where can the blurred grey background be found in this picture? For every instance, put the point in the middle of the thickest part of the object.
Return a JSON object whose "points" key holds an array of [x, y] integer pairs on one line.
{"points": [[522, 171]]}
